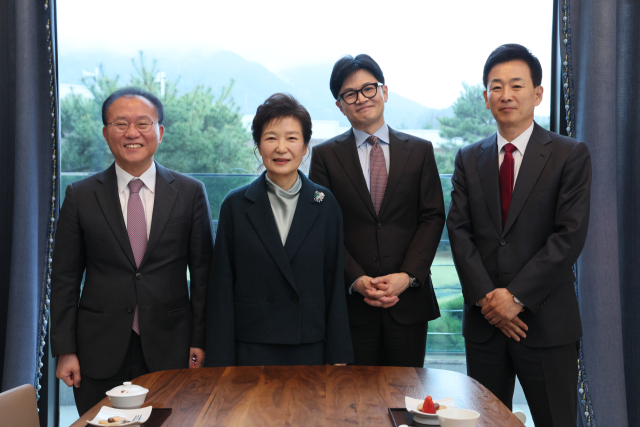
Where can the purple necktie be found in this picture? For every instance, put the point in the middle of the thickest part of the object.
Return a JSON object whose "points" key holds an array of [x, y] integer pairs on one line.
{"points": [[377, 173], [137, 231], [507, 179]]}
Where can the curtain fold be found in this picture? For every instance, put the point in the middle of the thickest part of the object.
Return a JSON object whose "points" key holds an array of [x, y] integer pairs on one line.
{"points": [[604, 58], [27, 175]]}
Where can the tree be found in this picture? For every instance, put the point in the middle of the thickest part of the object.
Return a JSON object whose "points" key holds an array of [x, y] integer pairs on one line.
{"points": [[82, 146], [203, 133], [471, 122]]}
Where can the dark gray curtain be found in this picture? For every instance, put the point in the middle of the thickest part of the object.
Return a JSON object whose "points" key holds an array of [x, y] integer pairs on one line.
{"points": [[26, 183], [604, 67]]}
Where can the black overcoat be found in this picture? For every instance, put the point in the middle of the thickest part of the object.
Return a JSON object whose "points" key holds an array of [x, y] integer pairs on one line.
{"points": [[265, 293]]}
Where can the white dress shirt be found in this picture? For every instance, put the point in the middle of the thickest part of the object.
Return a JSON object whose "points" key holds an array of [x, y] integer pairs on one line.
{"points": [[521, 145], [364, 149], [147, 192]]}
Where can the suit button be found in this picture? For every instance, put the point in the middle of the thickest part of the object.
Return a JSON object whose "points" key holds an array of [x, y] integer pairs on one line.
{"points": [[138, 276], [502, 242], [375, 258], [294, 298], [379, 225], [129, 310], [495, 273], [271, 298]]}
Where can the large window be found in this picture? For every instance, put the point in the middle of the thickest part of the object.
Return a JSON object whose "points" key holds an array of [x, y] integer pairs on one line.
{"points": [[213, 63]]}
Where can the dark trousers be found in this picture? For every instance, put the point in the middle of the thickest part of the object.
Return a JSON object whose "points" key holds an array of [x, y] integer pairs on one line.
{"points": [[92, 391], [385, 342], [548, 376]]}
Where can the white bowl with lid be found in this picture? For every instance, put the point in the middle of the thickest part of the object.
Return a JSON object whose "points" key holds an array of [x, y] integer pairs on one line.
{"points": [[127, 396]]}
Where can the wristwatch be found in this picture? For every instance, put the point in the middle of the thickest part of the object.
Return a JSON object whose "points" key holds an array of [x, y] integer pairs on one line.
{"points": [[413, 282], [518, 301]]}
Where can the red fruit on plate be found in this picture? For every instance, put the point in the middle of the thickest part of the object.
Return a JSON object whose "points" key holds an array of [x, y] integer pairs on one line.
{"points": [[428, 407]]}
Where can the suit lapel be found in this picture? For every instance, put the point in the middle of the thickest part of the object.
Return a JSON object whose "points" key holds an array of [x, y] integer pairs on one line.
{"points": [[165, 197], [399, 151], [261, 217], [107, 195], [489, 174], [303, 219], [535, 157], [347, 155]]}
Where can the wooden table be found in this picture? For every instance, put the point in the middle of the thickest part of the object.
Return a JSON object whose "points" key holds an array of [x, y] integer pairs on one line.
{"points": [[306, 395]]}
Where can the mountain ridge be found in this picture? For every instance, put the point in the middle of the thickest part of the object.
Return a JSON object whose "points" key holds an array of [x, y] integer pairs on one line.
{"points": [[253, 82]]}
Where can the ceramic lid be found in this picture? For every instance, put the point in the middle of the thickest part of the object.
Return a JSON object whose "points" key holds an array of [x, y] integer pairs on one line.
{"points": [[127, 389]]}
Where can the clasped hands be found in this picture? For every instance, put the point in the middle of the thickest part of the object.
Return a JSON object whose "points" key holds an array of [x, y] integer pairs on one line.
{"points": [[382, 291], [500, 310]]}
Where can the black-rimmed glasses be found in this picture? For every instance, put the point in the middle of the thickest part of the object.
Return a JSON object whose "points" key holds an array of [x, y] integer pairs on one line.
{"points": [[143, 126], [368, 91]]}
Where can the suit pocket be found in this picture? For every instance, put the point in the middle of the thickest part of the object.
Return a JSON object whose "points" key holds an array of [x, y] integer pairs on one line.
{"points": [[177, 310], [89, 310], [183, 219], [543, 185], [245, 300]]}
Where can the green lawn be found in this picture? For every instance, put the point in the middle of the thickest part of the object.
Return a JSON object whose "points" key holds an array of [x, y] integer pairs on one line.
{"points": [[445, 332]]}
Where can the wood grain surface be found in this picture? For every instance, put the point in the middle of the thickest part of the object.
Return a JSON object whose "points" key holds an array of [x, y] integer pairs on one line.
{"points": [[292, 396]]}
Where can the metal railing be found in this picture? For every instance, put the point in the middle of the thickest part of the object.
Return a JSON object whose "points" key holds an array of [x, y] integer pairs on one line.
{"points": [[215, 198]]}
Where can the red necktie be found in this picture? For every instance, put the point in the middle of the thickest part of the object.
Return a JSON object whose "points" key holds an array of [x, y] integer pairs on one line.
{"points": [[377, 173], [137, 231], [507, 179]]}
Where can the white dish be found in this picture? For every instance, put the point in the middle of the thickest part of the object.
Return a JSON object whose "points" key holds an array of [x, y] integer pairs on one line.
{"points": [[106, 412], [421, 417]]}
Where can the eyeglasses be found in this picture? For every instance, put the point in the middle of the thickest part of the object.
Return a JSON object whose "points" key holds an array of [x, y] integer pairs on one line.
{"points": [[143, 126], [368, 91]]}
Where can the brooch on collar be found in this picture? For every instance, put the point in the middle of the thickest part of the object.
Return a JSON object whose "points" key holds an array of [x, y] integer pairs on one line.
{"points": [[318, 196]]}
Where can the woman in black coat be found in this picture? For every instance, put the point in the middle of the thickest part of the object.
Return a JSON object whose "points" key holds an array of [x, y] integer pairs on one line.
{"points": [[277, 295]]}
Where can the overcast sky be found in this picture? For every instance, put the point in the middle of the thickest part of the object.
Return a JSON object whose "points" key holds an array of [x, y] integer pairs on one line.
{"points": [[426, 48]]}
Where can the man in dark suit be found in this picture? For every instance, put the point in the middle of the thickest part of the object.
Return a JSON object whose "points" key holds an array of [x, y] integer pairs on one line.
{"points": [[131, 231], [388, 187], [517, 224]]}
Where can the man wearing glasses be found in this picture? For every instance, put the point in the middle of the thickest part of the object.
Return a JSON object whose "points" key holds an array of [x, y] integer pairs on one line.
{"points": [[388, 187], [131, 231]]}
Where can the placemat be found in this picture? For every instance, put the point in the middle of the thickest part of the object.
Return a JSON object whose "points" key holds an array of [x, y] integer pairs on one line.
{"points": [[158, 417], [400, 416]]}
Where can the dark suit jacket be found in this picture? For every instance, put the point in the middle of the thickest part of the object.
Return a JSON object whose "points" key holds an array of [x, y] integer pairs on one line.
{"points": [[405, 235], [264, 292], [91, 239], [533, 255]]}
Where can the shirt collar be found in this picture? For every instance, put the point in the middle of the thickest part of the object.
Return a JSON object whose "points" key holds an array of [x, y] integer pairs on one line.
{"points": [[148, 178], [520, 142], [382, 134]]}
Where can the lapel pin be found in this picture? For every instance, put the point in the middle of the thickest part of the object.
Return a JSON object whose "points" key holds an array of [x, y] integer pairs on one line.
{"points": [[318, 196]]}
